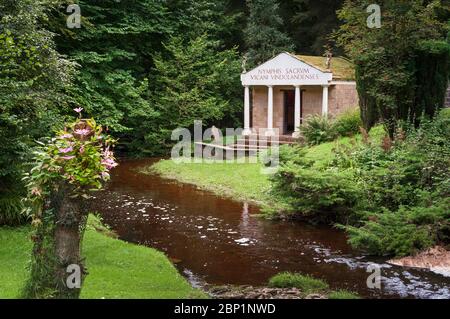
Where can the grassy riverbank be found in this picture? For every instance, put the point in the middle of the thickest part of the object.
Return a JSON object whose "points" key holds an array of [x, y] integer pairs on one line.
{"points": [[116, 269], [242, 181], [238, 181]]}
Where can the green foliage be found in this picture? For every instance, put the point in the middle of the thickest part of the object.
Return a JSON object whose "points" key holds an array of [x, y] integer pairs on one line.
{"points": [[293, 154], [404, 231], [114, 51], [263, 35], [196, 81], [131, 55], [305, 283], [391, 198], [318, 129], [310, 22], [342, 294], [68, 167], [402, 68], [322, 196], [11, 208], [79, 155], [41, 282], [407, 188], [34, 79], [348, 123]]}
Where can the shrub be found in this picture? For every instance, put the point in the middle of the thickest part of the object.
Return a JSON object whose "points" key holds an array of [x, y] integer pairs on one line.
{"points": [[289, 154], [348, 123], [322, 196], [403, 232], [305, 283], [318, 129], [391, 198]]}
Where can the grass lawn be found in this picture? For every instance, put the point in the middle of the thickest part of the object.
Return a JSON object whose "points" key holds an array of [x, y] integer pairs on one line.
{"points": [[243, 181], [322, 154], [116, 269], [239, 181]]}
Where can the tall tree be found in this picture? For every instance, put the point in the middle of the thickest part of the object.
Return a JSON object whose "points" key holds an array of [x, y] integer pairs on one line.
{"points": [[196, 74], [402, 67], [263, 35], [220, 19], [114, 48], [310, 23], [34, 80], [196, 81]]}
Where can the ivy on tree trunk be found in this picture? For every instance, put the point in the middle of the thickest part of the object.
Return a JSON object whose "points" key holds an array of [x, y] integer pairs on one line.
{"points": [[57, 245]]}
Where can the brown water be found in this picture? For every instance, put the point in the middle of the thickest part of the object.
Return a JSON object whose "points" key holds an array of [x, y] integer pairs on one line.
{"points": [[218, 241]]}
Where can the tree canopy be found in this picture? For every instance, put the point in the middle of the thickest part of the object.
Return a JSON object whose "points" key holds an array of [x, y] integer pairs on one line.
{"points": [[264, 34], [401, 68]]}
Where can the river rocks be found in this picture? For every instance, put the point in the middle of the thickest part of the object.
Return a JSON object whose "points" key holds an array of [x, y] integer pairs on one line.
{"points": [[250, 292], [436, 259]]}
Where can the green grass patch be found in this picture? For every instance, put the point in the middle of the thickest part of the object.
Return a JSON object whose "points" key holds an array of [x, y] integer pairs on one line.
{"points": [[308, 285], [343, 294], [238, 181], [15, 250], [116, 269], [305, 283], [323, 154]]}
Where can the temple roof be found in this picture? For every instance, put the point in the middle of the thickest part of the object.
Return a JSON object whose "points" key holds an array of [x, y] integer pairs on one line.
{"points": [[341, 68]]}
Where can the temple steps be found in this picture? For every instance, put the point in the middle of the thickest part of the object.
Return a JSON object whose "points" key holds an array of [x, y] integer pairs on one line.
{"points": [[251, 145]]}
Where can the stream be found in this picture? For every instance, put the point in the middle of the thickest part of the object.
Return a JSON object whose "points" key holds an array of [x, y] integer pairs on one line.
{"points": [[218, 241]]}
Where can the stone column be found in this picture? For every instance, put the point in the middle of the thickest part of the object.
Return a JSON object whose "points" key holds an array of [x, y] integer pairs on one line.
{"points": [[297, 114], [325, 100], [270, 131], [247, 130]]}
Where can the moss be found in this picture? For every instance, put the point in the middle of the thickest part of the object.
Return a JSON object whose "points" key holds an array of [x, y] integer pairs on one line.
{"points": [[342, 68]]}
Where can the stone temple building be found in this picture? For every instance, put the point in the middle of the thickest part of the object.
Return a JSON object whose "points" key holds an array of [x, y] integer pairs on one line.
{"points": [[282, 92]]}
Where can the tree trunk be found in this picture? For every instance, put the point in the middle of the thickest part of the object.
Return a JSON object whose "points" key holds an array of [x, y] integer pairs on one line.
{"points": [[70, 221], [57, 270]]}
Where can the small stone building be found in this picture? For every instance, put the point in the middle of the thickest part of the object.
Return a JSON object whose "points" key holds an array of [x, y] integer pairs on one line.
{"points": [[284, 91]]}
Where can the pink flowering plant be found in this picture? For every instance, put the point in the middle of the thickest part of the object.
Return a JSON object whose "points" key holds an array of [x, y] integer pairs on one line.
{"points": [[80, 155]]}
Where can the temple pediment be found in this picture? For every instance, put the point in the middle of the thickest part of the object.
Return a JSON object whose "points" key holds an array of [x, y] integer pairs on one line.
{"points": [[286, 69]]}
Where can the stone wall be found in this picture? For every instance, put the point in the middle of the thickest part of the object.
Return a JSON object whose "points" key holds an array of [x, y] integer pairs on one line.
{"points": [[312, 101], [342, 98], [260, 102]]}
